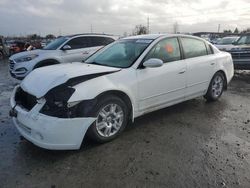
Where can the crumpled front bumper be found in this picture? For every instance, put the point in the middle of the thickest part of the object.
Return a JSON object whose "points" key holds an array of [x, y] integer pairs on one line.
{"points": [[49, 132]]}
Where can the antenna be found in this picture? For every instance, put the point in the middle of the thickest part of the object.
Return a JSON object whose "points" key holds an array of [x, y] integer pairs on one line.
{"points": [[218, 28]]}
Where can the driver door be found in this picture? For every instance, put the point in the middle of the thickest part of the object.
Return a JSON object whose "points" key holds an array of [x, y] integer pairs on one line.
{"points": [[165, 85]]}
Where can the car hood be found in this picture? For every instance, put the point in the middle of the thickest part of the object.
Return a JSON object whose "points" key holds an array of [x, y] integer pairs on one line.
{"points": [[41, 80], [224, 47], [27, 53]]}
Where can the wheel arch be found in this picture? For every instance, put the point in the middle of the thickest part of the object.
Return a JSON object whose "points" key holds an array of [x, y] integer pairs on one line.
{"points": [[46, 62], [225, 77], [123, 96]]}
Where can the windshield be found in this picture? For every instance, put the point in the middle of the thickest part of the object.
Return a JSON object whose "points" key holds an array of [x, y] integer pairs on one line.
{"points": [[244, 40], [120, 54], [227, 40], [56, 43]]}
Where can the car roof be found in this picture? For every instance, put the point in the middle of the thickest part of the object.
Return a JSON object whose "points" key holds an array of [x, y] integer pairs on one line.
{"points": [[149, 36], [155, 36], [92, 34]]}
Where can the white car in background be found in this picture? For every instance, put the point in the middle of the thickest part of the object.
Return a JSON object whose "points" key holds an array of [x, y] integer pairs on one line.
{"points": [[56, 106], [74, 48], [226, 43]]}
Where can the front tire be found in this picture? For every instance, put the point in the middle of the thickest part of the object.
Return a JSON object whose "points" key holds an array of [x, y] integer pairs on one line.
{"points": [[111, 114], [216, 87]]}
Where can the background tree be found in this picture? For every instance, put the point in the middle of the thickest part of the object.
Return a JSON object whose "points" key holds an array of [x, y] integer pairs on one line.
{"points": [[34, 37], [236, 31], [140, 30], [227, 31], [246, 30], [50, 36]]}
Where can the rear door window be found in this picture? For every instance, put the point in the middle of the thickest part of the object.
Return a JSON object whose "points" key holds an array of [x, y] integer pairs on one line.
{"points": [[79, 42], [193, 47]]}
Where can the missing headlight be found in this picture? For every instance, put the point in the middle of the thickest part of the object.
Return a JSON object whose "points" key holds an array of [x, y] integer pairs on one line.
{"points": [[56, 102]]}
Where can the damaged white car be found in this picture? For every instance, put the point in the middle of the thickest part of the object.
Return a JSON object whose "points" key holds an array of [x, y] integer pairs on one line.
{"points": [[55, 107]]}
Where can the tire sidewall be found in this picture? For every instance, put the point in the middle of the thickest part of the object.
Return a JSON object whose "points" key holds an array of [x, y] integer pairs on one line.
{"points": [[102, 102], [209, 94]]}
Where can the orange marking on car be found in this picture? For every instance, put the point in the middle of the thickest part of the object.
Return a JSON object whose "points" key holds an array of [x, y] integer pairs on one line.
{"points": [[169, 48]]}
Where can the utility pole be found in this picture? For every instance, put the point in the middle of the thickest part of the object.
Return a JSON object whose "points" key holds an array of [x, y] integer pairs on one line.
{"points": [[175, 28], [148, 24], [59, 32], [218, 28]]}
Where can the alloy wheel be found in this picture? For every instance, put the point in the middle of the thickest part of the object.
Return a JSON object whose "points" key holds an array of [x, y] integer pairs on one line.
{"points": [[217, 86], [109, 120]]}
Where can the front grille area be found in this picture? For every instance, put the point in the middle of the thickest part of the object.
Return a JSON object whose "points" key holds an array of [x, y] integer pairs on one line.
{"points": [[241, 55], [11, 64], [25, 99]]}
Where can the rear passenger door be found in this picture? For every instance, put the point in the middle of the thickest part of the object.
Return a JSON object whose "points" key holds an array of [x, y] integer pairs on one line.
{"points": [[199, 65], [79, 50]]}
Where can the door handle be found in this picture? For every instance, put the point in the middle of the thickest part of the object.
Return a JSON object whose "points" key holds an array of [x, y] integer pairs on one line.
{"points": [[182, 71], [212, 63]]}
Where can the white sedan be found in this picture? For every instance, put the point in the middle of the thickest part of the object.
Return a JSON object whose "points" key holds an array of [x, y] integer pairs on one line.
{"points": [[55, 107]]}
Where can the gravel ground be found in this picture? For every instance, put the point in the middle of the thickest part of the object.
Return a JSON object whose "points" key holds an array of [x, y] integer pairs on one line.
{"points": [[192, 144]]}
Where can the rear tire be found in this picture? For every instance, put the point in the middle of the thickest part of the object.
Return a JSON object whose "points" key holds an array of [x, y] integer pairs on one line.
{"points": [[112, 117], [216, 87]]}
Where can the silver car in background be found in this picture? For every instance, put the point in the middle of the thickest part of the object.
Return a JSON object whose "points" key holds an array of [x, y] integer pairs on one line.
{"points": [[66, 49], [241, 52], [226, 43]]}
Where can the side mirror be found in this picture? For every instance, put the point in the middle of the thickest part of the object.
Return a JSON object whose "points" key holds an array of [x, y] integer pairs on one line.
{"points": [[234, 43], [153, 63], [66, 47]]}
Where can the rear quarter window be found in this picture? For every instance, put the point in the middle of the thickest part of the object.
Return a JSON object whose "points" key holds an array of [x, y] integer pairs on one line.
{"points": [[101, 41], [209, 49]]}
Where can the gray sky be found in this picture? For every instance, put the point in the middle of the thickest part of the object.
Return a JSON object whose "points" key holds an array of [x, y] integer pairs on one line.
{"points": [[119, 16]]}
